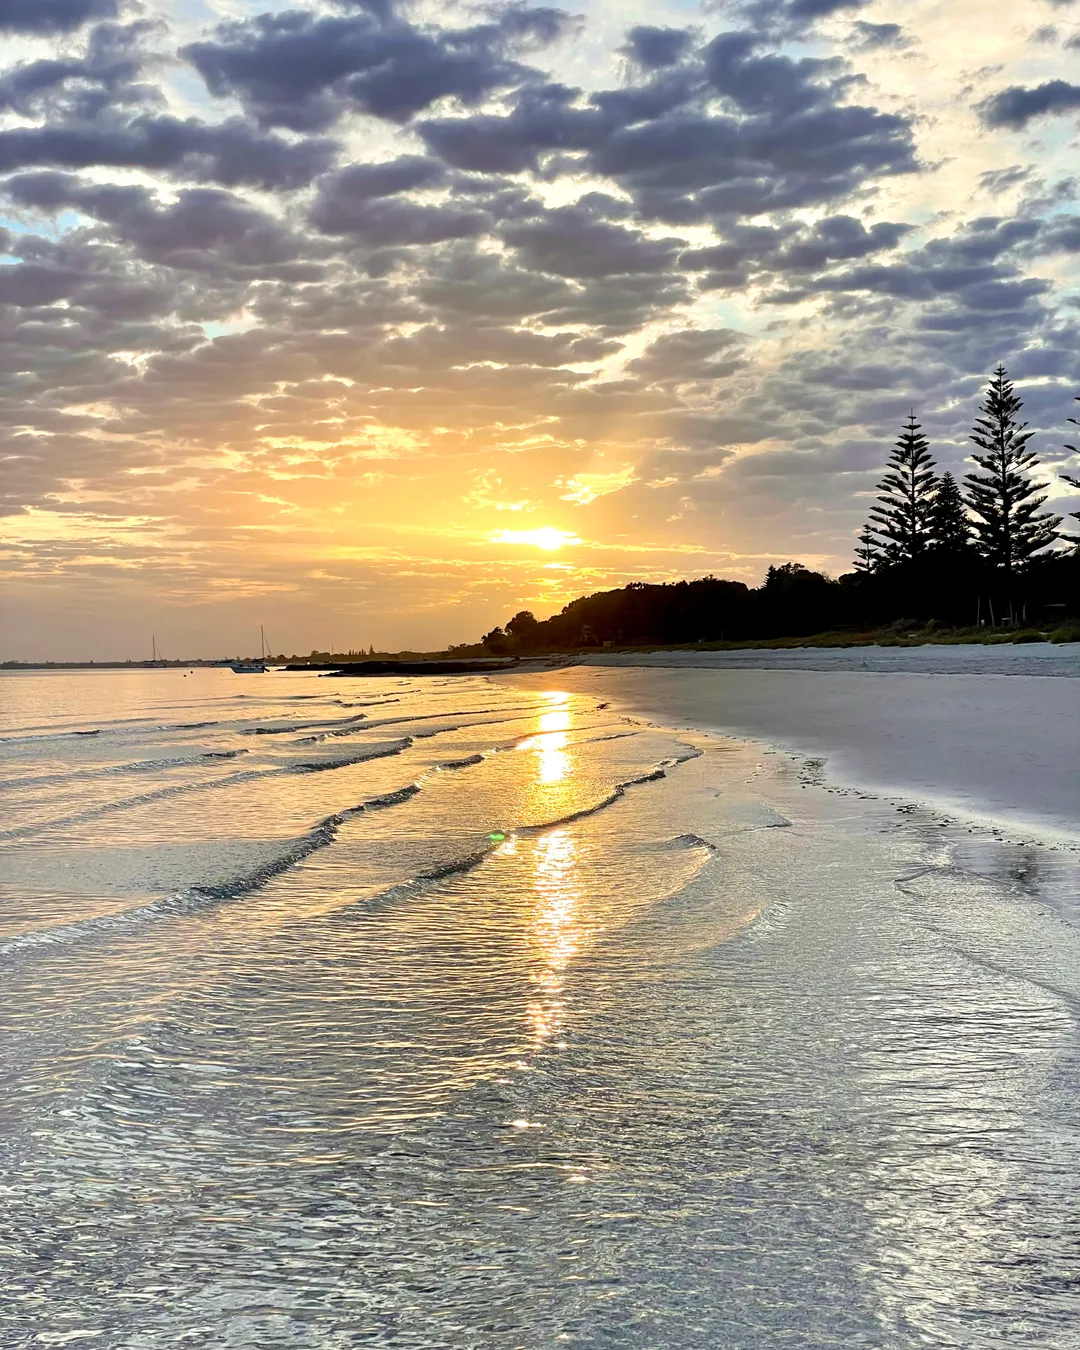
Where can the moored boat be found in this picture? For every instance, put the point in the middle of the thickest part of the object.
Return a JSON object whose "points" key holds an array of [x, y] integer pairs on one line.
{"points": [[259, 667]]}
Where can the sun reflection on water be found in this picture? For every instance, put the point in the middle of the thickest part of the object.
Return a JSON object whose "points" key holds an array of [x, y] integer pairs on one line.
{"points": [[557, 931], [549, 741]]}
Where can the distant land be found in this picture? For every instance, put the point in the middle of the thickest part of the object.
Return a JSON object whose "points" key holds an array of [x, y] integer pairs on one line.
{"points": [[957, 599], [944, 599]]}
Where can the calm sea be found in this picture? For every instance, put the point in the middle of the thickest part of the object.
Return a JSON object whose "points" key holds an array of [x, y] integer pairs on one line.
{"points": [[470, 1013]]}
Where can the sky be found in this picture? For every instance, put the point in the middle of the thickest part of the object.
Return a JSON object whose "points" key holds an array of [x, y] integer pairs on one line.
{"points": [[374, 322]]}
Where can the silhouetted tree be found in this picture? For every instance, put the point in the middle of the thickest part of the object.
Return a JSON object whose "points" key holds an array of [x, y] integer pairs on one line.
{"points": [[522, 629], [1073, 482], [796, 600], [950, 529], [906, 498], [1009, 526], [868, 554], [496, 640]]}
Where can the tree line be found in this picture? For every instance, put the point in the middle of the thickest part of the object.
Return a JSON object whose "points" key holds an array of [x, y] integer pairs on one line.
{"points": [[981, 553], [988, 533]]}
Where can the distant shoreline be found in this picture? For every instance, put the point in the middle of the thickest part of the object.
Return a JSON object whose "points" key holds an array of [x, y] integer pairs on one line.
{"points": [[473, 659]]}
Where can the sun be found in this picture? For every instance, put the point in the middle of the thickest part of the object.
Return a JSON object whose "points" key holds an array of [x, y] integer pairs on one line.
{"points": [[546, 537]]}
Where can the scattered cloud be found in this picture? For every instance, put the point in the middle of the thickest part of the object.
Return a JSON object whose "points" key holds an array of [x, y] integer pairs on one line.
{"points": [[295, 307], [1018, 105]]}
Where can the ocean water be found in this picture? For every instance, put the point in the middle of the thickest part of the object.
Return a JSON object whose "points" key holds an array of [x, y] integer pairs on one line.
{"points": [[475, 1013]]}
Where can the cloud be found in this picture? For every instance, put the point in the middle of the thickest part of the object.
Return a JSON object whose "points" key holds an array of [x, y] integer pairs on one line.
{"points": [[52, 16], [769, 83], [790, 136], [230, 152], [655, 48], [397, 257], [873, 37], [1017, 105], [201, 228], [573, 241], [691, 168], [819, 9], [998, 181], [365, 202], [690, 354], [302, 71], [775, 252]]}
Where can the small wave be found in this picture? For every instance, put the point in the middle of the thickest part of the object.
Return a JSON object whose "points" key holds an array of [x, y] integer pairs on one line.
{"points": [[128, 803], [178, 761], [680, 843], [392, 798], [49, 732], [204, 785], [418, 735], [343, 761], [48, 736], [458, 712], [405, 890], [469, 862], [185, 726], [121, 725], [138, 766], [302, 726], [465, 763], [618, 791], [197, 898]]}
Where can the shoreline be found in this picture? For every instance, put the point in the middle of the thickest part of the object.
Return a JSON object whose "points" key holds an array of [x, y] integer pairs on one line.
{"points": [[929, 745], [418, 663], [928, 658]]}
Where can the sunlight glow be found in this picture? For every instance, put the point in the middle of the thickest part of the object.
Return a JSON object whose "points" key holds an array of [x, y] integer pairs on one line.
{"points": [[584, 488], [546, 537]]}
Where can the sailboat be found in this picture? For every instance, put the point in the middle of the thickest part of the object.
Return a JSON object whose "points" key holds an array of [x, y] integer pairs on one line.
{"points": [[258, 667]]}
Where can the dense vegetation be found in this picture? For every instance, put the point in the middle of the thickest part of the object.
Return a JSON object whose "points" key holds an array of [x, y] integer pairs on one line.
{"points": [[985, 556]]}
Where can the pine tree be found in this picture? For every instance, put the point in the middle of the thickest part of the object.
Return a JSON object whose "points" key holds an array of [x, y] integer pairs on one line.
{"points": [[906, 498], [1068, 478], [950, 529], [867, 555], [1009, 527]]}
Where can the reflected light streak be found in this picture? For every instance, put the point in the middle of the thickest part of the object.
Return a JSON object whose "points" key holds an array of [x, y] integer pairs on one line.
{"points": [[557, 930], [549, 742]]}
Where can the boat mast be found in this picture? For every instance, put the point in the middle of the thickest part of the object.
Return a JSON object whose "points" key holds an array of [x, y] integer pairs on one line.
{"points": [[153, 648]]}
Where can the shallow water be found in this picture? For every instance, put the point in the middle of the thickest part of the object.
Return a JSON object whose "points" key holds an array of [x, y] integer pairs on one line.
{"points": [[463, 1013]]}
